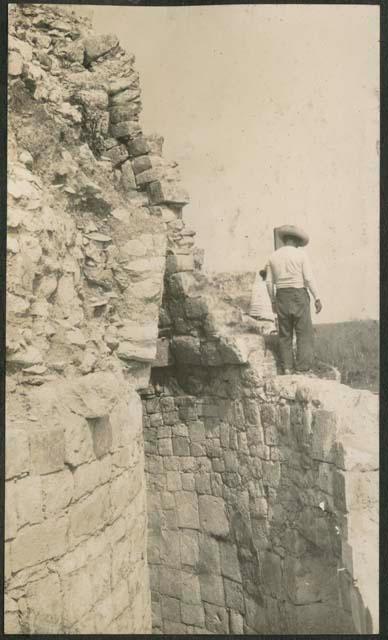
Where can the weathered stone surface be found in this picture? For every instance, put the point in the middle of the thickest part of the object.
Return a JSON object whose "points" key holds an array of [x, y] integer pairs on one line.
{"points": [[92, 98], [230, 566], [125, 130], [12, 622], [138, 146], [127, 176], [123, 488], [213, 516], [189, 548], [170, 609], [57, 490], [193, 614], [187, 510], [117, 154], [216, 619], [165, 447], [77, 596], [93, 395], [123, 97], [161, 192], [21, 46], [169, 549], [323, 436], [234, 596], [138, 342], [212, 589], [209, 555], [45, 605], [90, 514], [78, 440], [121, 84], [96, 46], [142, 163], [181, 446], [170, 582], [47, 448], [256, 616], [102, 435], [39, 542], [123, 112], [191, 592], [17, 454], [15, 63], [111, 568], [236, 623], [29, 500]]}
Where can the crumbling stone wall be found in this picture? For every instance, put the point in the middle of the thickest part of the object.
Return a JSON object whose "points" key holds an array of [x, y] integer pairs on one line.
{"points": [[86, 252], [104, 286], [256, 483], [250, 507]]}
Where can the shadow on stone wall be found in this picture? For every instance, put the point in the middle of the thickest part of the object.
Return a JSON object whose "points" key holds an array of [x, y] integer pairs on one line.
{"points": [[247, 507]]}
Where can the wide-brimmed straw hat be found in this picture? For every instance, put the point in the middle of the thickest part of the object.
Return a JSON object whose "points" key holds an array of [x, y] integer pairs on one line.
{"points": [[296, 232]]}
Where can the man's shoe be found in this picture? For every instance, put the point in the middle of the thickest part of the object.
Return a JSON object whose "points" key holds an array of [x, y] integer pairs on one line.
{"points": [[287, 372]]}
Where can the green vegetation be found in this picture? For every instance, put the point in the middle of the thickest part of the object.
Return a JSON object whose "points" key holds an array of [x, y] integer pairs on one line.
{"points": [[353, 348]]}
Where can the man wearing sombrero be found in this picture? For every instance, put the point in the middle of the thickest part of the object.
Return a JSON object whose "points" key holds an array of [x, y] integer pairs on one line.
{"points": [[290, 272]]}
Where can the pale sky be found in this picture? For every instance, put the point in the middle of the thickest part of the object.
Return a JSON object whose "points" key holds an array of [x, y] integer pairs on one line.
{"points": [[272, 112]]}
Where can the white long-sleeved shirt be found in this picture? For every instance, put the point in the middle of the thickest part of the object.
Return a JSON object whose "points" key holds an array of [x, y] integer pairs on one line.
{"points": [[290, 267]]}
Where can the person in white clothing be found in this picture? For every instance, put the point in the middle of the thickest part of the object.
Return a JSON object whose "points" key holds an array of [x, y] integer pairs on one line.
{"points": [[261, 307], [289, 281]]}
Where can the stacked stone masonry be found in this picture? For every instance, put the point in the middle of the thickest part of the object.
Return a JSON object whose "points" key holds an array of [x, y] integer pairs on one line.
{"points": [[248, 513], [252, 485], [76, 511], [86, 254]]}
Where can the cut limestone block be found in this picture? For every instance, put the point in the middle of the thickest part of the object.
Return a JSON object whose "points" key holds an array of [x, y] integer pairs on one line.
{"points": [[29, 500], [127, 176], [138, 146], [96, 46], [179, 262], [45, 604], [123, 97], [127, 129], [124, 112], [141, 163], [47, 448], [122, 84], [39, 542], [137, 342], [161, 191], [212, 515], [117, 154]]}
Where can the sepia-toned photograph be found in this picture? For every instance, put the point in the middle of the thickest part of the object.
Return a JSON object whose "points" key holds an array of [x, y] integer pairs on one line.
{"points": [[192, 333]]}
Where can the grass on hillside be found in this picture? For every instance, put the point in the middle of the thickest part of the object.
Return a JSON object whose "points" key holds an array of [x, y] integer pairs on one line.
{"points": [[352, 347]]}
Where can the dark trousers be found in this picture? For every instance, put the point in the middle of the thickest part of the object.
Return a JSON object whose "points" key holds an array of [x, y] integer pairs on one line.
{"points": [[293, 310]]}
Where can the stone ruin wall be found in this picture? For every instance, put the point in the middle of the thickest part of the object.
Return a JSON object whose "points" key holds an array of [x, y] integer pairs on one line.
{"points": [[86, 254], [262, 491], [250, 506], [106, 302]]}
